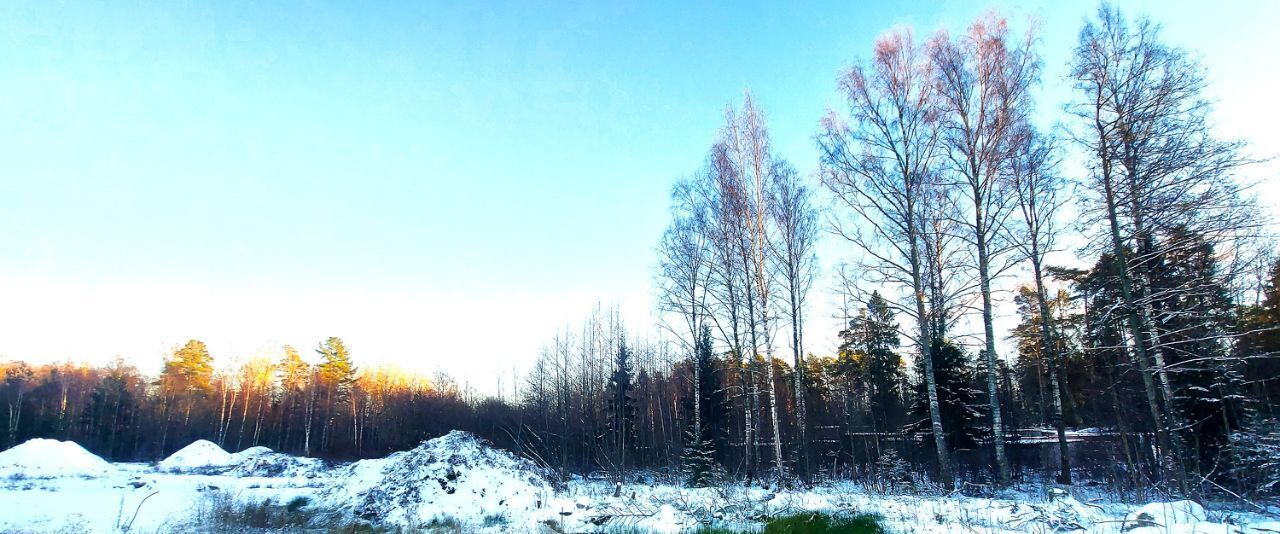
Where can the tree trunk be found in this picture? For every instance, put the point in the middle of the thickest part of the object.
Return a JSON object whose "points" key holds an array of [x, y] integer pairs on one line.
{"points": [[993, 391], [802, 425], [1136, 331], [926, 353], [1046, 336]]}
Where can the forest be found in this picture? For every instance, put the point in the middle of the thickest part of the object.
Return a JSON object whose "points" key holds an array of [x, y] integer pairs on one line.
{"points": [[1150, 366]]}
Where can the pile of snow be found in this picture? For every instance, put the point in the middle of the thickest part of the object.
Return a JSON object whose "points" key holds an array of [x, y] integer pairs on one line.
{"points": [[457, 476], [264, 462], [208, 458], [46, 458], [250, 453], [200, 455], [1164, 516]]}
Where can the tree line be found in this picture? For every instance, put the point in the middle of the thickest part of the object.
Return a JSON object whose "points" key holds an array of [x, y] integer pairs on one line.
{"points": [[315, 405], [949, 200]]}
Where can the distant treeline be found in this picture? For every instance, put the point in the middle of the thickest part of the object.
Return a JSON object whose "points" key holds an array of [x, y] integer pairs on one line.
{"points": [[326, 409]]}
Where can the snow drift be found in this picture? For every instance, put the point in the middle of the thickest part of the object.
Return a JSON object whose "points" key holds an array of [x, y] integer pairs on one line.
{"points": [[207, 457], [264, 462], [200, 454], [1163, 516], [47, 458], [456, 476]]}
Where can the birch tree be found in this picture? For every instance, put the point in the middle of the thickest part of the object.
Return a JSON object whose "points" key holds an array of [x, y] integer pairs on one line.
{"points": [[1036, 185], [796, 219], [747, 138], [983, 83], [878, 163], [683, 273], [1158, 173]]}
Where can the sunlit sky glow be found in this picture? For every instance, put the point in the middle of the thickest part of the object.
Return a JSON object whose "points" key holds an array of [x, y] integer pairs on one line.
{"points": [[440, 184]]}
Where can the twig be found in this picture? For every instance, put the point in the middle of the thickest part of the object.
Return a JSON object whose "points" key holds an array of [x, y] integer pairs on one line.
{"points": [[136, 509]]}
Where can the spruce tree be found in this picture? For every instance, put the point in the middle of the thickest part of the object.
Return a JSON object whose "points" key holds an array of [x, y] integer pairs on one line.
{"points": [[705, 444], [959, 394], [622, 413]]}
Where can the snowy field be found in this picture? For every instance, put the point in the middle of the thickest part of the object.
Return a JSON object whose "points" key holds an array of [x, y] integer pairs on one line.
{"points": [[456, 483]]}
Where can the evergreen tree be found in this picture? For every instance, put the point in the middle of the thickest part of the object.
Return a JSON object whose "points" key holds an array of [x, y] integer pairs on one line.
{"points": [[294, 376], [959, 394], [187, 379], [335, 375], [1194, 318], [189, 370], [335, 368], [1259, 345], [868, 349], [706, 445], [620, 422]]}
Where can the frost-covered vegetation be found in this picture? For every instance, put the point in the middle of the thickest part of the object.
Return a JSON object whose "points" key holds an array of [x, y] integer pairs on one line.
{"points": [[458, 483]]}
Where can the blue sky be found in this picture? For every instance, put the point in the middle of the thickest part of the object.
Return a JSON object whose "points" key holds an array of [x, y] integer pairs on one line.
{"points": [[415, 176]]}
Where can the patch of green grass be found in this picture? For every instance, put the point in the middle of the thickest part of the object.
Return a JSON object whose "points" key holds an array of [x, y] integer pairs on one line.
{"points": [[809, 523], [707, 529], [820, 523]]}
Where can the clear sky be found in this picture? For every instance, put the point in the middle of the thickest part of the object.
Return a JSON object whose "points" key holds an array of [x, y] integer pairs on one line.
{"points": [[440, 184]]}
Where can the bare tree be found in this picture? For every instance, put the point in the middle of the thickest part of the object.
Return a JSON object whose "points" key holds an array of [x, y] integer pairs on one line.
{"points": [[983, 84], [747, 138], [730, 289], [1161, 178], [684, 271], [878, 164], [796, 219], [1036, 185]]}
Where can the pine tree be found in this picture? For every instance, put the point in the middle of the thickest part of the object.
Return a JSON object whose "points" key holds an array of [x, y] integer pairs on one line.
{"points": [[293, 375], [335, 363], [1260, 344], [189, 369], [335, 375], [1195, 317], [871, 341]]}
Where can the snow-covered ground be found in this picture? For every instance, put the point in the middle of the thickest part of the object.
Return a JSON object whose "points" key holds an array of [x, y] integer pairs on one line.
{"points": [[456, 480]]}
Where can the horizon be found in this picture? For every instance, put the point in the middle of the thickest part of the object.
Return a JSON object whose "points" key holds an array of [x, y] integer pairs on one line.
{"points": [[443, 187]]}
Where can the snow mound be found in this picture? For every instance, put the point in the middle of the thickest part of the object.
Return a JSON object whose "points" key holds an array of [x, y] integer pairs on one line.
{"points": [[264, 462], [201, 454], [205, 457], [250, 453], [47, 458], [457, 476], [1164, 515]]}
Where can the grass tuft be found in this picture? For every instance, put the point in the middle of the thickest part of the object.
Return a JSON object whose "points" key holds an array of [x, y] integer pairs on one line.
{"points": [[821, 523], [809, 523]]}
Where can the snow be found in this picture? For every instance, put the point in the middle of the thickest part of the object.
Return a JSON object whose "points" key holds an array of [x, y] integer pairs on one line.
{"points": [[208, 458], [250, 453], [458, 479], [457, 475], [46, 458], [264, 462], [1165, 514], [200, 454]]}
